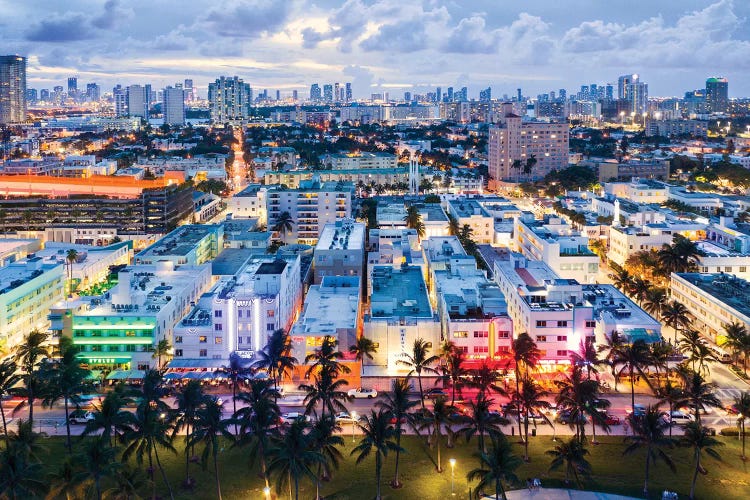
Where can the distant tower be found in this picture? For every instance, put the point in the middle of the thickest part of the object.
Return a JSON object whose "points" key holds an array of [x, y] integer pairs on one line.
{"points": [[413, 176], [616, 216]]}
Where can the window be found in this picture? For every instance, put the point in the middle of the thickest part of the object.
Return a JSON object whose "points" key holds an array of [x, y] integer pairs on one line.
{"points": [[590, 324], [239, 313], [541, 338], [562, 352], [203, 353], [562, 338], [239, 340], [460, 335], [248, 341], [562, 324], [270, 313], [218, 340], [270, 327], [503, 335], [478, 349], [178, 353], [541, 324], [202, 339], [463, 348], [217, 314], [728, 269], [178, 339], [743, 269], [218, 327], [480, 335]]}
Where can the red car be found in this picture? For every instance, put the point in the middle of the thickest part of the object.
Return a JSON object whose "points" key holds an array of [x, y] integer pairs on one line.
{"points": [[612, 420]]}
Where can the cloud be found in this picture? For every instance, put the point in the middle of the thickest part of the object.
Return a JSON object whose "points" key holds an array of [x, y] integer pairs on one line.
{"points": [[68, 27], [361, 77], [112, 15], [471, 37], [249, 18], [404, 37]]}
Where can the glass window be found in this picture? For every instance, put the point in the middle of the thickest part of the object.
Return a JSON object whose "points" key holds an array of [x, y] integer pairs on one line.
{"points": [[218, 340], [178, 353], [218, 327], [217, 313], [203, 353], [178, 339], [541, 338], [270, 313], [460, 335], [202, 339]]}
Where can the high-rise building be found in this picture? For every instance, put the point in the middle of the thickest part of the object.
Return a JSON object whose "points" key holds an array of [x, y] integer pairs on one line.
{"points": [[519, 95], [407, 96], [44, 95], [229, 99], [188, 88], [438, 94], [637, 96], [486, 94], [609, 92], [93, 92], [336, 91], [295, 95], [348, 95], [12, 89], [138, 101], [31, 95], [328, 92], [173, 106], [622, 85], [278, 95], [563, 94], [449, 94], [315, 94], [717, 95], [120, 97], [72, 86]]}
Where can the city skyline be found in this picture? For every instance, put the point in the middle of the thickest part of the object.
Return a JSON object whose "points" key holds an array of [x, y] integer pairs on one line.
{"points": [[383, 46]]}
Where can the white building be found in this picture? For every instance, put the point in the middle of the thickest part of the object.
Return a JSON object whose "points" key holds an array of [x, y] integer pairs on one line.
{"points": [[92, 263], [332, 308], [469, 211], [359, 160], [394, 247], [229, 99], [173, 106], [643, 191], [191, 244]]}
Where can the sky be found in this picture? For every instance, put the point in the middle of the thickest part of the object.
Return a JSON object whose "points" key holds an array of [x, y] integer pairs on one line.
{"points": [[386, 45]]}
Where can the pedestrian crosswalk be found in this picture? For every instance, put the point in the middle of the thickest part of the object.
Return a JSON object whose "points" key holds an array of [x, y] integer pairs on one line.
{"points": [[727, 394]]}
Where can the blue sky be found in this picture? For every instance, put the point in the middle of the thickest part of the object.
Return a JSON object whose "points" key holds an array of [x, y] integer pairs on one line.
{"points": [[391, 45]]}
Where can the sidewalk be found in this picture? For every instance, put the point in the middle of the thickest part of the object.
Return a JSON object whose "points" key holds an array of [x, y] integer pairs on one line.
{"points": [[555, 494]]}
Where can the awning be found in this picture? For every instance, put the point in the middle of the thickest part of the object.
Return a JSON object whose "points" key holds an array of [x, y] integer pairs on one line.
{"points": [[136, 374], [197, 363], [172, 376], [191, 375], [117, 375], [94, 375]]}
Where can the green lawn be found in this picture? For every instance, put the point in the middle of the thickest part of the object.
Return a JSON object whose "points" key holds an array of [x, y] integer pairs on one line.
{"points": [[728, 479]]}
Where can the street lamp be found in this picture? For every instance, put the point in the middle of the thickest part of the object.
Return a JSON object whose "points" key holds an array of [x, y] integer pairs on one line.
{"points": [[354, 422], [622, 117], [452, 461], [267, 492]]}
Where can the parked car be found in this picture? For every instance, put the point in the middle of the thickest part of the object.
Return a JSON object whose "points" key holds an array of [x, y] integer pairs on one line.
{"points": [[564, 417], [80, 417], [600, 404], [362, 393], [435, 393], [288, 418], [346, 418], [534, 418], [638, 410], [612, 420], [679, 417]]}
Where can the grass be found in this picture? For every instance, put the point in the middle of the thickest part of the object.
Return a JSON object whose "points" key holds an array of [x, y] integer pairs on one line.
{"points": [[613, 473]]}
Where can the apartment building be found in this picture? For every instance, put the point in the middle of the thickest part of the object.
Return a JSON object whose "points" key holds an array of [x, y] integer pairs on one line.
{"points": [[340, 251], [359, 160], [191, 245], [469, 211]]}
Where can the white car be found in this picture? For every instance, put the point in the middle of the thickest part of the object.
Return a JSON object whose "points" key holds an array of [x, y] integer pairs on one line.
{"points": [[345, 418], [288, 418], [680, 417], [362, 393], [81, 417]]}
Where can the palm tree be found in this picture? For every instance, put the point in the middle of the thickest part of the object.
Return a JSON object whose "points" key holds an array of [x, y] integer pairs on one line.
{"points": [[571, 454], [189, 400], [398, 406], [660, 354], [517, 164], [622, 279], [486, 379], [529, 165], [110, 417], [414, 221], [163, 349], [480, 421], [698, 351], [326, 358], [639, 289], [454, 372], [258, 420], [529, 401], [673, 396], [30, 353], [675, 315], [236, 372], [699, 393], [419, 361], [276, 356], [633, 358], [699, 439], [128, 483], [525, 354], [587, 356], [71, 256], [496, 466], [98, 462], [377, 437], [326, 390], [207, 428], [363, 348], [66, 380], [65, 483], [326, 442], [654, 301], [8, 380], [649, 432], [283, 224], [738, 341], [20, 477], [576, 396], [27, 442], [742, 404], [292, 457], [437, 419], [611, 347]]}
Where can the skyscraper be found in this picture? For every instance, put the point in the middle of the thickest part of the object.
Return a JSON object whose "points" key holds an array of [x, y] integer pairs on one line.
{"points": [[336, 91], [31, 95], [12, 89], [438, 94], [229, 99], [173, 106], [622, 85], [328, 92], [449, 94], [138, 101], [315, 92], [486, 94], [348, 91], [717, 95], [294, 95], [188, 88], [72, 86], [120, 96], [92, 92]]}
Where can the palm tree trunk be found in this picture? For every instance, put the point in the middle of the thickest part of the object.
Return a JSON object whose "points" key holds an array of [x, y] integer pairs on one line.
{"points": [[518, 387], [98, 485], [263, 469], [67, 427], [187, 456], [30, 402], [234, 404], [437, 443], [151, 472], [296, 488], [695, 474], [593, 431], [648, 462], [398, 453], [421, 393], [497, 490], [216, 471], [5, 423], [742, 426], [377, 475], [632, 390], [526, 435]]}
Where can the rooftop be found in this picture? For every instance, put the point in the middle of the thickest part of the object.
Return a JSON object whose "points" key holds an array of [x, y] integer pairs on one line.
{"points": [[432, 212], [399, 293], [344, 234], [230, 261], [613, 307], [14, 275], [180, 242], [250, 191], [467, 208], [725, 288], [330, 306]]}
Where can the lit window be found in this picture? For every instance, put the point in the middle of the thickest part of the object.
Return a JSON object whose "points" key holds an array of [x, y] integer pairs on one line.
{"points": [[202, 339], [218, 340]]}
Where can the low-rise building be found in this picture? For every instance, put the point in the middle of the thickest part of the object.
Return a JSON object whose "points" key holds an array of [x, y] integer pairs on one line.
{"points": [[469, 211], [192, 244], [340, 250], [92, 265], [394, 247], [249, 203], [638, 190], [358, 160]]}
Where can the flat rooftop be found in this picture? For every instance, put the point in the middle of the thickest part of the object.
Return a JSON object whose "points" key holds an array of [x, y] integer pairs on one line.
{"points": [[230, 261], [432, 212], [399, 293], [16, 274], [180, 242], [330, 306], [725, 288], [613, 306], [250, 191], [467, 208], [342, 235]]}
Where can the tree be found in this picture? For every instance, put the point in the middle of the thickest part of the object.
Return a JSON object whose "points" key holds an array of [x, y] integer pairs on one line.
{"points": [[516, 165], [8, 380], [66, 380], [673, 396], [97, 461], [572, 455], [71, 258], [20, 477], [414, 220], [649, 432], [655, 301], [377, 438], [621, 279], [437, 419], [612, 345], [325, 441], [530, 400], [529, 165], [699, 439], [27, 442], [258, 420], [419, 360], [587, 356], [163, 349], [189, 400], [496, 466], [699, 394], [397, 404], [30, 353], [576, 395], [110, 418], [291, 458], [525, 355], [326, 358], [742, 404], [633, 359], [454, 372], [675, 315], [480, 421], [65, 483], [698, 351], [363, 348], [738, 341], [326, 390], [236, 372], [128, 483], [283, 224], [486, 379], [207, 428], [276, 356]]}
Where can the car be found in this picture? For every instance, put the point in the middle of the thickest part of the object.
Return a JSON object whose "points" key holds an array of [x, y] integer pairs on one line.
{"points": [[732, 409], [638, 410], [612, 420], [564, 417], [362, 393], [288, 418], [509, 409], [600, 404], [346, 418], [393, 420], [80, 417], [534, 418], [436, 393], [679, 417], [706, 410]]}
